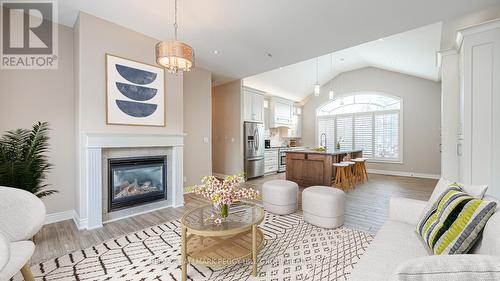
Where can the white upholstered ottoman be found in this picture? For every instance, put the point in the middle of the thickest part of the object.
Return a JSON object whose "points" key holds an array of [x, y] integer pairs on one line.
{"points": [[280, 196], [323, 206]]}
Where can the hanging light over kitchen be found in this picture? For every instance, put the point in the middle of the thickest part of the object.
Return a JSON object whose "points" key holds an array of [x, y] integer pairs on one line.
{"points": [[330, 94], [175, 55], [317, 86]]}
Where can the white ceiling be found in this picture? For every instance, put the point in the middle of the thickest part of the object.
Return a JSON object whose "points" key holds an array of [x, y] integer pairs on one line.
{"points": [[244, 31], [412, 52]]}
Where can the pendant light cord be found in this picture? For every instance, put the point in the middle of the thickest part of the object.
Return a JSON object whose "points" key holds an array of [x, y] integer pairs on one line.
{"points": [[331, 70], [317, 71], [175, 20]]}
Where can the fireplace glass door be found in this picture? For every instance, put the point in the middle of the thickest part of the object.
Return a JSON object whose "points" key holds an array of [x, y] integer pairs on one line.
{"points": [[134, 181]]}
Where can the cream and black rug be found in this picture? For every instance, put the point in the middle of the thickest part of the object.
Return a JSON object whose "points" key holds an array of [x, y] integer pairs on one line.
{"points": [[293, 250]]}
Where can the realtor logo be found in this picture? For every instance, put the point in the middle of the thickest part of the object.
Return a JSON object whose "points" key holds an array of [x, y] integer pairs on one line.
{"points": [[29, 35]]}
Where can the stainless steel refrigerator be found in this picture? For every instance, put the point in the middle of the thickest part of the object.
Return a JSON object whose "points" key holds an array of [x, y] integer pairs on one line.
{"points": [[254, 149]]}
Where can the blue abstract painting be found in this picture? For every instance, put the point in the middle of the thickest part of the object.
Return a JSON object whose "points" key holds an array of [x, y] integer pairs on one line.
{"points": [[136, 109], [135, 75], [135, 93]]}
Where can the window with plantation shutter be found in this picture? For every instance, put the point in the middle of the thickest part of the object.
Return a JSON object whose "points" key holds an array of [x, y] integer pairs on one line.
{"points": [[387, 136], [344, 131], [363, 134], [326, 126], [367, 121]]}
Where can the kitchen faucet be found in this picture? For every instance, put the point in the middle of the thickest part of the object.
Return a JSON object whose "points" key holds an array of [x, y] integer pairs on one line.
{"points": [[321, 140]]}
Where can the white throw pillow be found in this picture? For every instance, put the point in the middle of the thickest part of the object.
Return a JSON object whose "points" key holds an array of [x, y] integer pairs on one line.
{"points": [[476, 191]]}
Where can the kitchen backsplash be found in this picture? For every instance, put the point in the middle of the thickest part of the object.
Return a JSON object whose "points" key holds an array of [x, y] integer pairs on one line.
{"points": [[278, 136]]}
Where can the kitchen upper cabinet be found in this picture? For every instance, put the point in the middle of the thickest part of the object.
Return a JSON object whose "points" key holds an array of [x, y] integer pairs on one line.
{"points": [[253, 105], [295, 130], [281, 113]]}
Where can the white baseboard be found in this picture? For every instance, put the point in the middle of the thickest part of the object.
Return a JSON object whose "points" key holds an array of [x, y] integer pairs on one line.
{"points": [[57, 217], [403, 174], [80, 223]]}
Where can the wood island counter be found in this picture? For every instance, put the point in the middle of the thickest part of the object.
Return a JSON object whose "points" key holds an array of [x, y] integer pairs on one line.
{"points": [[309, 167]]}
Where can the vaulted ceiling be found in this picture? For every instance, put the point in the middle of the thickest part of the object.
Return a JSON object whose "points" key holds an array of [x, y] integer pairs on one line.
{"points": [[412, 52], [259, 35]]}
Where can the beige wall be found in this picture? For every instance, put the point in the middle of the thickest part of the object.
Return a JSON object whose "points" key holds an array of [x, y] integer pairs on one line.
{"points": [[98, 37], [197, 125], [421, 115], [28, 96], [227, 129]]}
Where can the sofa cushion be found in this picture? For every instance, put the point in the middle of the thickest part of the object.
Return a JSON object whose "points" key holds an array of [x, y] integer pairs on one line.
{"points": [[454, 223], [450, 267], [394, 243]]}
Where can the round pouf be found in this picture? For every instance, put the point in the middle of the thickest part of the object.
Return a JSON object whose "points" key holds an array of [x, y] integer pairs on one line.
{"points": [[280, 196], [323, 206]]}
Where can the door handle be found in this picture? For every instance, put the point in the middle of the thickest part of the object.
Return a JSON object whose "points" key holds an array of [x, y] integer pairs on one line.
{"points": [[256, 136]]}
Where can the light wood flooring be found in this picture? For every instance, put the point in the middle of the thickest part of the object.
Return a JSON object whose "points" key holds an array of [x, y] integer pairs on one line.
{"points": [[366, 210]]}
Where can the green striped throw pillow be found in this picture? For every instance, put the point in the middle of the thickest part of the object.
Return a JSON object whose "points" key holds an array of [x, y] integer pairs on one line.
{"points": [[454, 222]]}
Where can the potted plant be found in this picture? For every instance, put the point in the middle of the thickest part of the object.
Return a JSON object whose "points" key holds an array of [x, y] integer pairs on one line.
{"points": [[23, 160], [222, 194]]}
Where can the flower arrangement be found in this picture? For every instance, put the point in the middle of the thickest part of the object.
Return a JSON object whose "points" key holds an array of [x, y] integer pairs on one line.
{"points": [[224, 193]]}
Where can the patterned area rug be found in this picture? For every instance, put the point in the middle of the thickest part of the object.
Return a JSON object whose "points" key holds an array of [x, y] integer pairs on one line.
{"points": [[293, 250]]}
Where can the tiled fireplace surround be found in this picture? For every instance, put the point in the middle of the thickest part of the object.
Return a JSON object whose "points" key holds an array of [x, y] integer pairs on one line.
{"points": [[97, 148]]}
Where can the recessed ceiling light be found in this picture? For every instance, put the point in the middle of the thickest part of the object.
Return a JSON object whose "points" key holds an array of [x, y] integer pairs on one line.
{"points": [[281, 67], [216, 52], [381, 40]]}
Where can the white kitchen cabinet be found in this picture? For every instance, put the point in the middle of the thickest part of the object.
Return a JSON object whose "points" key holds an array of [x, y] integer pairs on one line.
{"points": [[281, 113], [253, 105], [271, 160], [295, 130]]}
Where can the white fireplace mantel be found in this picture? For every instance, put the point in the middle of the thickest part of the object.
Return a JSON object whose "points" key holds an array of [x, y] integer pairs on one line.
{"points": [[90, 183]]}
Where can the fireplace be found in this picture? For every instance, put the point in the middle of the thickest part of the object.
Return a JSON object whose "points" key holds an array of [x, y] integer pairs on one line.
{"points": [[136, 180]]}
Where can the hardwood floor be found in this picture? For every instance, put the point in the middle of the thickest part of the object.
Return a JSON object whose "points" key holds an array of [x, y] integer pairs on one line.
{"points": [[366, 210]]}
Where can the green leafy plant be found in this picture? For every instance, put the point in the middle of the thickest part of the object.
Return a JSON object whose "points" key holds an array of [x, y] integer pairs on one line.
{"points": [[23, 160]]}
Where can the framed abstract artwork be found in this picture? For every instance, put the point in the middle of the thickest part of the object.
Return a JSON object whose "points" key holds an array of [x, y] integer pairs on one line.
{"points": [[135, 93]]}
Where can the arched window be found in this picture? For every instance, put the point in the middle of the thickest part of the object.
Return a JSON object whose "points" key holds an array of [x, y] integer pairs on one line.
{"points": [[366, 120]]}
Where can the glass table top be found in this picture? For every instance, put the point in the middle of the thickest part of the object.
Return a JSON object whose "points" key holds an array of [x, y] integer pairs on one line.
{"points": [[241, 216]]}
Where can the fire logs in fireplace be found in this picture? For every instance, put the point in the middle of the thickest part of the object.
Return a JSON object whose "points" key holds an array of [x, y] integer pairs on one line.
{"points": [[136, 180]]}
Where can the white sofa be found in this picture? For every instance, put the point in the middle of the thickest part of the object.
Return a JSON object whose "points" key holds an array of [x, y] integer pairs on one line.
{"points": [[398, 254]]}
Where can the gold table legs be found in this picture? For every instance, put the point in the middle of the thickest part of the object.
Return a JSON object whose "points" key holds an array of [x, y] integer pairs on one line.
{"points": [[254, 250], [184, 253], [257, 242]]}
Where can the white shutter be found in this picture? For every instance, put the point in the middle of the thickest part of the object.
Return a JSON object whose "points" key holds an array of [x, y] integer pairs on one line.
{"points": [[344, 131], [387, 136], [363, 133], [326, 125]]}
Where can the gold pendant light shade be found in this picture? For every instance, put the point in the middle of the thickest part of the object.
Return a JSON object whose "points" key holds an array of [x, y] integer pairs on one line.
{"points": [[174, 56]]}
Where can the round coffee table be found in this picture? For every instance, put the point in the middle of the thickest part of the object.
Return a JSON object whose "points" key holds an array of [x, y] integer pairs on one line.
{"points": [[234, 240]]}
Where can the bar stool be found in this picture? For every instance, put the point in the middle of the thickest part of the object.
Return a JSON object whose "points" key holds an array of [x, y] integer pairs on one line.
{"points": [[341, 176], [350, 172], [360, 173]]}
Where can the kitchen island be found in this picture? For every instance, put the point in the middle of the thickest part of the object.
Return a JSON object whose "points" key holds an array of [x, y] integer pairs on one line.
{"points": [[310, 167]]}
